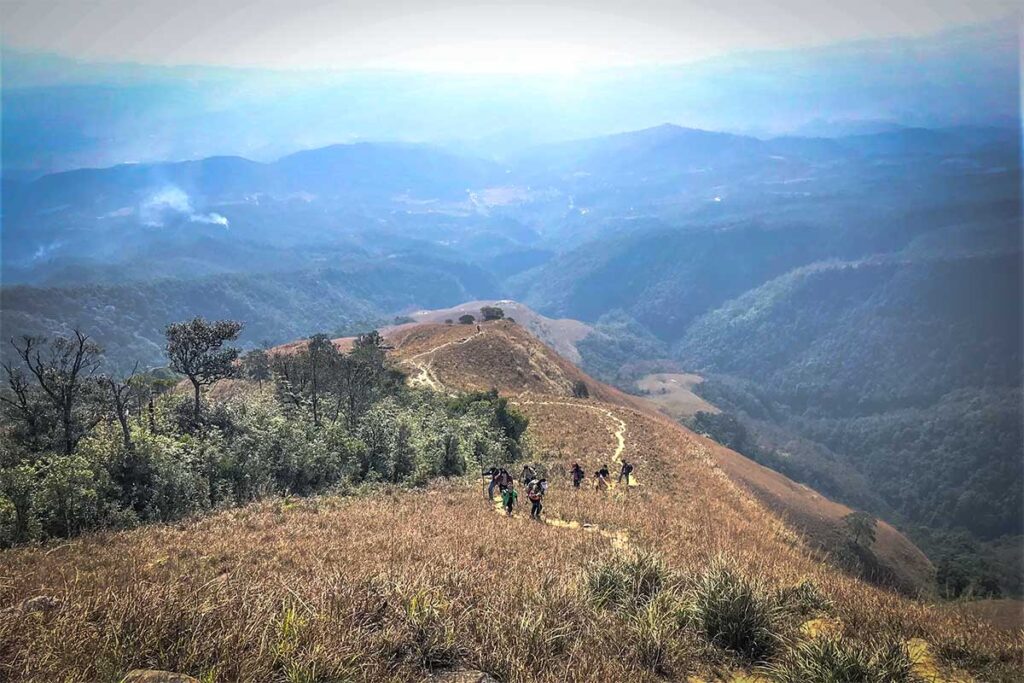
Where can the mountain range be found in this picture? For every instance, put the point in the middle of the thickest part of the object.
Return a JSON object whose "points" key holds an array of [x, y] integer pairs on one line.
{"points": [[852, 302]]}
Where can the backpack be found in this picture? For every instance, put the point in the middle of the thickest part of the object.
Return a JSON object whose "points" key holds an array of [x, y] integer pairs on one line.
{"points": [[628, 469]]}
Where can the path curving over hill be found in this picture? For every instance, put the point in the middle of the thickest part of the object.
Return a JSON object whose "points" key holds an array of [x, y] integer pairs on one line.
{"points": [[506, 357]]}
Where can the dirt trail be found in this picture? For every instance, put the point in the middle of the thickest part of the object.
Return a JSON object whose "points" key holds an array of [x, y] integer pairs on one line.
{"points": [[619, 433], [619, 539], [425, 376]]}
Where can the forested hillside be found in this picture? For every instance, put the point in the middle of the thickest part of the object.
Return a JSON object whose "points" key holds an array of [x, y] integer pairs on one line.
{"points": [[129, 319], [909, 371]]}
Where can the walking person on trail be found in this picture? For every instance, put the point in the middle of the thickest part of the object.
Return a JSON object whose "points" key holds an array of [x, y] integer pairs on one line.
{"points": [[529, 474], [508, 500], [504, 480], [601, 479], [536, 494], [577, 475], [627, 469], [493, 474]]}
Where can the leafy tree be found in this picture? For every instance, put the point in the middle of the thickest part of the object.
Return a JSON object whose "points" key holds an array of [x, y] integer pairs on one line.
{"points": [[65, 371], [256, 366], [580, 390], [196, 349], [467, 319], [321, 356], [861, 527], [492, 313]]}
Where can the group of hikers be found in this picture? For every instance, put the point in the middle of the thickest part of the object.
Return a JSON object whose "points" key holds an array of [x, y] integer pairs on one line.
{"points": [[537, 487]]}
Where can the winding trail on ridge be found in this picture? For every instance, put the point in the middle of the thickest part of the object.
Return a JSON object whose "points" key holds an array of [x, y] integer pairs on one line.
{"points": [[426, 376], [619, 539]]}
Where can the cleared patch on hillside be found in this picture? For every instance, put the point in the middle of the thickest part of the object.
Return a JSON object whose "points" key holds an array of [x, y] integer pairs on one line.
{"points": [[673, 394]]}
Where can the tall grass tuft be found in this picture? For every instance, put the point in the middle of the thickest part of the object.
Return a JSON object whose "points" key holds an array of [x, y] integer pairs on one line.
{"points": [[735, 613], [803, 599], [832, 660], [628, 582], [429, 636]]}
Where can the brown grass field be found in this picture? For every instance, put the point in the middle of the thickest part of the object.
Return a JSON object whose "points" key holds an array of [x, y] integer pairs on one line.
{"points": [[401, 585]]}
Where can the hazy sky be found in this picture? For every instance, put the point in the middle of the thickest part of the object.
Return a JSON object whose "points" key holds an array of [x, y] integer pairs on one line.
{"points": [[454, 35]]}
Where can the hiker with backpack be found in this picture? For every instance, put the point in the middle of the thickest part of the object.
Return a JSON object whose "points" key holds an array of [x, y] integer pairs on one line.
{"points": [[577, 475], [493, 474], [504, 480], [508, 499], [535, 493], [601, 479], [529, 474], [627, 469]]}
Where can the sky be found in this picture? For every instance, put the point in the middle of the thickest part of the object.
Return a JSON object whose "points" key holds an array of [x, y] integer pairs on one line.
{"points": [[459, 36]]}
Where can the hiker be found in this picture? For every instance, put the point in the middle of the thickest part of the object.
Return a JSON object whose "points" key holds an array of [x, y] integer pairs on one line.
{"points": [[493, 474], [536, 494], [504, 480], [577, 475], [601, 479], [508, 499], [529, 474], [543, 486], [627, 469], [477, 328]]}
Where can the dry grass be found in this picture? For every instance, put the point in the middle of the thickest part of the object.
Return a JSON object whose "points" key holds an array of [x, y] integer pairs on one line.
{"points": [[396, 584], [673, 394]]}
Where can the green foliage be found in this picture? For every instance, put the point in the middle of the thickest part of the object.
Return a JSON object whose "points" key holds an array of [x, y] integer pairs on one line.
{"points": [[829, 659], [196, 349], [627, 582], [580, 390], [466, 319], [492, 313], [861, 528], [735, 613], [803, 599], [250, 446]]}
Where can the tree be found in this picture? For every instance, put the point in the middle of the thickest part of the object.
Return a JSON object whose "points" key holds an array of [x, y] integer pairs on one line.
{"points": [[196, 349], [492, 313], [361, 377], [321, 355], [467, 319], [580, 390], [119, 395], [65, 371], [861, 527], [256, 366]]}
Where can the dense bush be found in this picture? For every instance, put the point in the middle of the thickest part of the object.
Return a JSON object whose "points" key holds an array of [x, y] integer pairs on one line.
{"points": [[254, 444], [735, 613], [830, 659]]}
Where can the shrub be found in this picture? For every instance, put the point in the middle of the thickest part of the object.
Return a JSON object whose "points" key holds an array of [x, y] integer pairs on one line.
{"points": [[492, 313], [466, 319], [580, 390], [429, 635], [804, 599], [651, 632], [831, 660], [629, 582], [735, 613]]}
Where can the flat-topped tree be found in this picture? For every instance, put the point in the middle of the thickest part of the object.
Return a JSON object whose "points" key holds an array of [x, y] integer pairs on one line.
{"points": [[196, 349]]}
